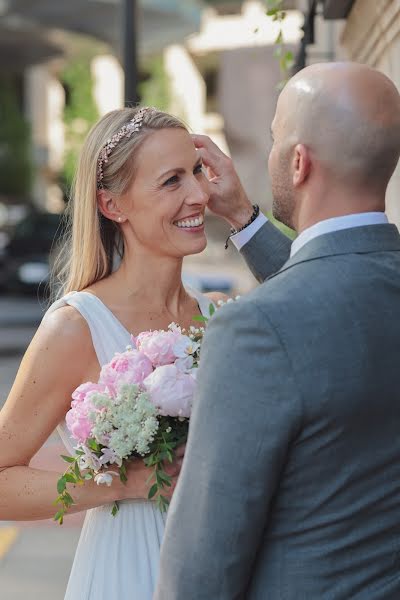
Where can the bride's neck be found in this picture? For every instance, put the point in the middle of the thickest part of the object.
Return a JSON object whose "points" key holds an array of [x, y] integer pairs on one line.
{"points": [[154, 281]]}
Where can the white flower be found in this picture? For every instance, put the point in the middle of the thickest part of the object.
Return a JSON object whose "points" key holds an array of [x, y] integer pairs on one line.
{"points": [[89, 460], [185, 346], [184, 364], [105, 478]]}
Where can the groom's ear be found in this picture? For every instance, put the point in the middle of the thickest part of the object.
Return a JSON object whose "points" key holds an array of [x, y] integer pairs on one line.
{"points": [[301, 164]]}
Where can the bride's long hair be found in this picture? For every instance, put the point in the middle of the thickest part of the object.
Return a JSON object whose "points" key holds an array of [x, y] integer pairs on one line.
{"points": [[90, 240]]}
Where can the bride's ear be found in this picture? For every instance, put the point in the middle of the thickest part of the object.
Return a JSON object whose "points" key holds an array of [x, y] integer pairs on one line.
{"points": [[109, 207]]}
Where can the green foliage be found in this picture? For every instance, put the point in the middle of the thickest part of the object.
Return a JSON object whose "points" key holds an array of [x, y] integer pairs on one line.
{"points": [[154, 89], [80, 112], [171, 434], [284, 56], [16, 167]]}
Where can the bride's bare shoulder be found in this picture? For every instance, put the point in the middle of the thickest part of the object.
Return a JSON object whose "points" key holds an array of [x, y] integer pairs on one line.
{"points": [[65, 326]]}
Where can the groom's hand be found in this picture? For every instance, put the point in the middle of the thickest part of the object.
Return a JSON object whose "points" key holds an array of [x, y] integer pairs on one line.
{"points": [[227, 196]]}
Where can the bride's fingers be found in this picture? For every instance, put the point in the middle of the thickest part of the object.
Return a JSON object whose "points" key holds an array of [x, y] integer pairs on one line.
{"points": [[180, 451]]}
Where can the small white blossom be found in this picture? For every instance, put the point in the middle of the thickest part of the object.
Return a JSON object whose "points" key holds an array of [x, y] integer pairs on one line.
{"points": [[105, 478]]}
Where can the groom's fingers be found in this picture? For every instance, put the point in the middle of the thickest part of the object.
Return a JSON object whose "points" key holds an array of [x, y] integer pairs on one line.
{"points": [[212, 156]]}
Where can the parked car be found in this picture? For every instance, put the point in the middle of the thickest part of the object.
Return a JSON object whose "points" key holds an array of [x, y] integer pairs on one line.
{"points": [[24, 261]]}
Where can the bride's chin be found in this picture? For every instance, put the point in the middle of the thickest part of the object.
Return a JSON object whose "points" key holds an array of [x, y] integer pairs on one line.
{"points": [[196, 248]]}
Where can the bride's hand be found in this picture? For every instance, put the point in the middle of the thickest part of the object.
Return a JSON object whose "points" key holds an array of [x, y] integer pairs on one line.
{"points": [[138, 485]]}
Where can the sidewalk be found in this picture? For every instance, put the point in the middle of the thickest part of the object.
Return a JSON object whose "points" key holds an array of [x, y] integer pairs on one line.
{"points": [[36, 556]]}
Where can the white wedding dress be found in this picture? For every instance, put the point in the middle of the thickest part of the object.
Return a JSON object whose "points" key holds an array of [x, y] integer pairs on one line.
{"points": [[117, 557]]}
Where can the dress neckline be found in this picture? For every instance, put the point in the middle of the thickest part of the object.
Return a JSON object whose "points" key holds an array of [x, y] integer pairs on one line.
{"points": [[200, 298]]}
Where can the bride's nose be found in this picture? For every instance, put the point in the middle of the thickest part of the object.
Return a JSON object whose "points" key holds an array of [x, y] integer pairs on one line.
{"points": [[198, 193]]}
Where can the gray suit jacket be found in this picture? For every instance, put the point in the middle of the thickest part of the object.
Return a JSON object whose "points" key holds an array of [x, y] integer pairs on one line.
{"points": [[290, 488]]}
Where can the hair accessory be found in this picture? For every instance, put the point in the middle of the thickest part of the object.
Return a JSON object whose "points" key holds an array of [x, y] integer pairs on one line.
{"points": [[127, 130], [256, 212]]}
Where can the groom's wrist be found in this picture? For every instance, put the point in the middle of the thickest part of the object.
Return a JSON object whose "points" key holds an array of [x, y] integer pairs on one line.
{"points": [[241, 216]]}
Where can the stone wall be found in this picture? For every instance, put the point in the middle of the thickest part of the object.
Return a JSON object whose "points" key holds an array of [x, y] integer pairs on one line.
{"points": [[372, 36]]}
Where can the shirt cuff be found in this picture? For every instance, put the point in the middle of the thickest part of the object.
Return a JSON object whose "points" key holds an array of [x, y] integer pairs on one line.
{"points": [[242, 237]]}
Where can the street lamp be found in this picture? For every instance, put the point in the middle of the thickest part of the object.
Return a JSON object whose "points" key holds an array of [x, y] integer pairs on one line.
{"points": [[129, 42]]}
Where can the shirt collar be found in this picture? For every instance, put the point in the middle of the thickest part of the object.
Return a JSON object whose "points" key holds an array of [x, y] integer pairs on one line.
{"points": [[336, 224]]}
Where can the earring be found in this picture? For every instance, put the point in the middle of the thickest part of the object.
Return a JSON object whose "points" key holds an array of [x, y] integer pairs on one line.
{"points": [[119, 219]]}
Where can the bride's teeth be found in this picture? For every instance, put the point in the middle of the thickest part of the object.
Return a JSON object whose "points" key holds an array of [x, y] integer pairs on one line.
{"points": [[191, 222]]}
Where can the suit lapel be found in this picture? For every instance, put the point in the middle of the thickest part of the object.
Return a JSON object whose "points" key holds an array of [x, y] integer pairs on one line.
{"points": [[356, 240]]}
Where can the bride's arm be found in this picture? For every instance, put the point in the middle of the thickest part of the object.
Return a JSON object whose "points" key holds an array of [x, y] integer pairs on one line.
{"points": [[55, 363]]}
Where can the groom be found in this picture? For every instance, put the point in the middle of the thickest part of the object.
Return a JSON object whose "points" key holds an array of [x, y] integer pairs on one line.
{"points": [[290, 487]]}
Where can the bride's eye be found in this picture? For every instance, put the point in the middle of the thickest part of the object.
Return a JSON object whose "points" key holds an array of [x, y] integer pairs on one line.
{"points": [[171, 180], [198, 169]]}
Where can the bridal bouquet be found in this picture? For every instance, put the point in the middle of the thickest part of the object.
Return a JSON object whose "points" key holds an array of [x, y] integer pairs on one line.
{"points": [[139, 408]]}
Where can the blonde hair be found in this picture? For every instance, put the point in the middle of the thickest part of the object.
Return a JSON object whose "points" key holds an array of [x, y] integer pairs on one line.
{"points": [[91, 240]]}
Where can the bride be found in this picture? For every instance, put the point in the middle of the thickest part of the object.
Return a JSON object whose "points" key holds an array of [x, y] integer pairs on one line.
{"points": [[140, 191]]}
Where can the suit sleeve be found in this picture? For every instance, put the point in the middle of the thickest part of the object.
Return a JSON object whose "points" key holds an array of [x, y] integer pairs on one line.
{"points": [[266, 252], [246, 414]]}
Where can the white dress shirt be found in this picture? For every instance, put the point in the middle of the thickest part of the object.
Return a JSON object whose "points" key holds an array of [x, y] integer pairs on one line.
{"points": [[336, 224], [327, 226]]}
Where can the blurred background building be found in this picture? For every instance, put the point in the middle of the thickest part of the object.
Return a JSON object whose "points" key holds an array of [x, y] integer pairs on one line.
{"points": [[211, 62]]}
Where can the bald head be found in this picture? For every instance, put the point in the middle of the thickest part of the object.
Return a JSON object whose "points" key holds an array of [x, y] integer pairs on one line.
{"points": [[348, 115]]}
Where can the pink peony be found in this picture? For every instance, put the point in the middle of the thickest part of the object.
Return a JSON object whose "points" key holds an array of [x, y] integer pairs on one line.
{"points": [[77, 418], [83, 391], [171, 391], [158, 346], [127, 367]]}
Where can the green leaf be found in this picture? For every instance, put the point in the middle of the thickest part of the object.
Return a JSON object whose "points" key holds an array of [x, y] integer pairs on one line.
{"points": [[68, 500], [59, 516], [200, 318], [164, 477], [70, 478], [122, 474], [61, 485], [115, 509], [77, 471], [88, 476], [93, 445], [152, 491], [69, 459], [211, 309]]}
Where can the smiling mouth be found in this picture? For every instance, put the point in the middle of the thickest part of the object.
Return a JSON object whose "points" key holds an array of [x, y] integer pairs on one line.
{"points": [[190, 223]]}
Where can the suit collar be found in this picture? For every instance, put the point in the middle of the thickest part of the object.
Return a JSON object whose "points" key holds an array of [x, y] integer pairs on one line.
{"points": [[356, 240]]}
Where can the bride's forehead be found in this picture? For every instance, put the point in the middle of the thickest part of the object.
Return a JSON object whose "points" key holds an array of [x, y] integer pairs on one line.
{"points": [[165, 149]]}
